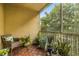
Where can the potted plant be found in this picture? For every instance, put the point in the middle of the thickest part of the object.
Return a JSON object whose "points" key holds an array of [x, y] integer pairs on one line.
{"points": [[41, 41], [36, 41], [25, 41], [4, 52], [28, 41], [63, 47], [49, 46], [54, 47]]}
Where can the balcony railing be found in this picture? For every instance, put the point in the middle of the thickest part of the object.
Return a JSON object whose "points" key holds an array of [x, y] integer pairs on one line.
{"points": [[73, 38]]}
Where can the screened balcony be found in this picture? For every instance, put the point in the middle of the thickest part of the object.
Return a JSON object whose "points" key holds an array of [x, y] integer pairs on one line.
{"points": [[58, 22], [62, 22]]}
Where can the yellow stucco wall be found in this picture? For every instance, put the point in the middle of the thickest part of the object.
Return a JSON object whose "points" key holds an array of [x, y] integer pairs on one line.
{"points": [[18, 21], [1, 22], [21, 22]]}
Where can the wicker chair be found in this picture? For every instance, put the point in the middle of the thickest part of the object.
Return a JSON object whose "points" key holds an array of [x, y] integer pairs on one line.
{"points": [[6, 42]]}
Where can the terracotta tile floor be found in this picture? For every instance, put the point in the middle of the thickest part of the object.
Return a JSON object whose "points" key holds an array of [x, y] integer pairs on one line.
{"points": [[28, 51]]}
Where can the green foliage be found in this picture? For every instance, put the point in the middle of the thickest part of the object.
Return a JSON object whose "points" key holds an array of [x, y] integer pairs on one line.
{"points": [[51, 22], [4, 52], [70, 23], [25, 40], [63, 47], [36, 41], [43, 42], [55, 10], [54, 47]]}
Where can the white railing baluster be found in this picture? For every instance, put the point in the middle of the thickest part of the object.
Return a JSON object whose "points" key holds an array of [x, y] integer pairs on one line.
{"points": [[77, 46], [73, 38]]}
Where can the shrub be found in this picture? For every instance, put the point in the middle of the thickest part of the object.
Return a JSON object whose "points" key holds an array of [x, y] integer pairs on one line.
{"points": [[63, 47]]}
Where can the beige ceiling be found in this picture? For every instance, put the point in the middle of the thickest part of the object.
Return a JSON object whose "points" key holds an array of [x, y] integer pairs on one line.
{"points": [[33, 6]]}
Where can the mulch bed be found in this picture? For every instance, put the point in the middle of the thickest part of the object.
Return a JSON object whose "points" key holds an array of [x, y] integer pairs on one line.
{"points": [[28, 51]]}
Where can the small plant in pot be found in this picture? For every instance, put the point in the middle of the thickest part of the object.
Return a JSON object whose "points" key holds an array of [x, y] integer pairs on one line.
{"points": [[36, 41], [54, 47], [49, 50], [43, 42], [4, 52], [25, 41], [49, 46], [28, 41], [63, 47]]}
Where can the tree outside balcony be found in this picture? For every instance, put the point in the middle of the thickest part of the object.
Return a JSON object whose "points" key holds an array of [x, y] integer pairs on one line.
{"points": [[63, 18]]}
